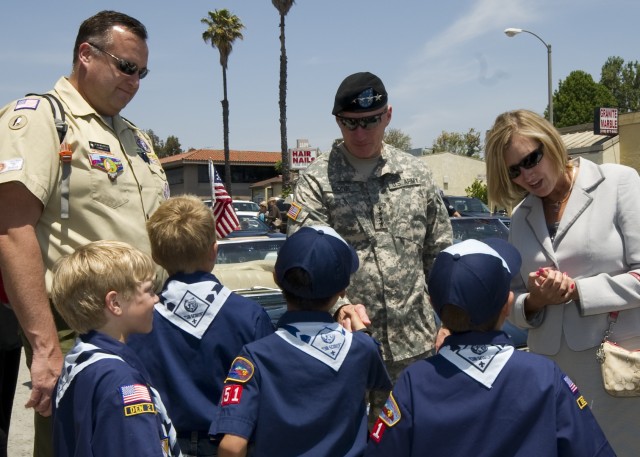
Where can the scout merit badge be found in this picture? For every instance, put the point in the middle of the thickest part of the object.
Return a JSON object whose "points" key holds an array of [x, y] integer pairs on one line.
{"points": [[101, 160]]}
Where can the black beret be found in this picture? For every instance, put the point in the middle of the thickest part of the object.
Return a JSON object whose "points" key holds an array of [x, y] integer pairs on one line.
{"points": [[358, 93]]}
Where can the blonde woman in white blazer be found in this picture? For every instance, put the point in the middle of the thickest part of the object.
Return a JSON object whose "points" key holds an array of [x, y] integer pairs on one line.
{"points": [[578, 231]]}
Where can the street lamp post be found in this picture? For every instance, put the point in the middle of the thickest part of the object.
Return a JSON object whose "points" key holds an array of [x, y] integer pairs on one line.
{"points": [[510, 32]]}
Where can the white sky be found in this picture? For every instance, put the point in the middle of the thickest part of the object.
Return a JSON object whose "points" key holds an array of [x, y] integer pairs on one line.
{"points": [[446, 65]]}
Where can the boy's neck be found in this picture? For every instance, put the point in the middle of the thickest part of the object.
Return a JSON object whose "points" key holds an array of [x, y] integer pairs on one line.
{"points": [[113, 330]]}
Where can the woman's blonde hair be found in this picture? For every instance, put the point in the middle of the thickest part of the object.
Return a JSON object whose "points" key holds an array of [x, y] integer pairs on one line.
{"points": [[502, 191], [82, 280], [182, 232]]}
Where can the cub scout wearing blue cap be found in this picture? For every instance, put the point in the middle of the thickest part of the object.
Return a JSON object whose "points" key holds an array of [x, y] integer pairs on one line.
{"points": [[475, 276], [327, 258]]}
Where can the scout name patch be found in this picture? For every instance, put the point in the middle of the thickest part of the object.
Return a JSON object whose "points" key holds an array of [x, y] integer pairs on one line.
{"points": [[11, 165], [241, 370], [140, 408], [109, 164]]}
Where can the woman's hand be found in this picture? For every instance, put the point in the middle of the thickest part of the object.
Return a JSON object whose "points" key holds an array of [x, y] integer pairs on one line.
{"points": [[548, 286]]}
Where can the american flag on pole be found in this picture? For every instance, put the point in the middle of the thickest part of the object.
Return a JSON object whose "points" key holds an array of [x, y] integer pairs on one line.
{"points": [[226, 219]]}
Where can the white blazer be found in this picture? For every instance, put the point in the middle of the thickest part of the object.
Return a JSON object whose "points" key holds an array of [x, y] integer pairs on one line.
{"points": [[597, 244]]}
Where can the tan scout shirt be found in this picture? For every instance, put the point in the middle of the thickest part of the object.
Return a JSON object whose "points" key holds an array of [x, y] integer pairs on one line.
{"points": [[397, 223], [113, 190]]}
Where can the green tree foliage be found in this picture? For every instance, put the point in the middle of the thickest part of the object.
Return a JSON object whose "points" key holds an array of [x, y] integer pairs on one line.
{"points": [[577, 97], [156, 142], [223, 28], [164, 148], [398, 139], [623, 80], [283, 7], [467, 144], [478, 189], [172, 146]]}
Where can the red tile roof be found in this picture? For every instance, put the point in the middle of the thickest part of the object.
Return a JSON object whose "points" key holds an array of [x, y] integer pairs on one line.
{"points": [[217, 155]]}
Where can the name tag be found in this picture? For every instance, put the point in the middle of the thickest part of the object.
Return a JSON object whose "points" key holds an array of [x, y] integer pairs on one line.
{"points": [[408, 182]]}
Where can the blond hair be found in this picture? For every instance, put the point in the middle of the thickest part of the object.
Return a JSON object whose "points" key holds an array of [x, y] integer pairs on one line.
{"points": [[182, 232], [501, 189], [82, 280]]}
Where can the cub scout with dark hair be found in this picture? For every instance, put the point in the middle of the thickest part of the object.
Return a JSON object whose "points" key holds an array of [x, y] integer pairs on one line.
{"points": [[104, 403], [302, 390], [479, 396]]}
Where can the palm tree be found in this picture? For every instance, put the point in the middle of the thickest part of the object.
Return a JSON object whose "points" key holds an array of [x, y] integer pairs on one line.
{"points": [[223, 28], [283, 7]]}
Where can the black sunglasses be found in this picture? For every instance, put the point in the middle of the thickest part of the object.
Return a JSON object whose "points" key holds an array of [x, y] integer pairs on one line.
{"points": [[531, 160], [366, 123], [126, 67]]}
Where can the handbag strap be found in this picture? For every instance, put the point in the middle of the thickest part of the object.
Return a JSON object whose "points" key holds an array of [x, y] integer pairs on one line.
{"points": [[613, 318]]}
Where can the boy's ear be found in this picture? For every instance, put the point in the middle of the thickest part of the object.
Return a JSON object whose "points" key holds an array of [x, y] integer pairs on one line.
{"points": [[506, 309], [111, 303], [213, 253]]}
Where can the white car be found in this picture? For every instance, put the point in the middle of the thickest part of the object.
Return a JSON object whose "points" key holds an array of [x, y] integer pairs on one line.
{"points": [[246, 208]]}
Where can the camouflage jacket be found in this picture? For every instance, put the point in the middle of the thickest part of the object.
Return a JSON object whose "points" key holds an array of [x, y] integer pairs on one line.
{"points": [[397, 223]]}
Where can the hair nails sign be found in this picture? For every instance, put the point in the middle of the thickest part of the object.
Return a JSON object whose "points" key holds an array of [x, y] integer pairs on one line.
{"points": [[302, 158]]}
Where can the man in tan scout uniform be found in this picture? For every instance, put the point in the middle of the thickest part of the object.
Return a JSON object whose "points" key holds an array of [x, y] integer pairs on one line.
{"points": [[103, 182], [385, 204]]}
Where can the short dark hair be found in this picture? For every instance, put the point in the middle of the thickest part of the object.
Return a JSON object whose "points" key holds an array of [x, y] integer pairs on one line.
{"points": [[300, 278], [458, 320], [97, 29]]}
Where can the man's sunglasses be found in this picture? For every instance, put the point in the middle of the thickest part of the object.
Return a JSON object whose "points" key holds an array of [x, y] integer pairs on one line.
{"points": [[126, 67], [366, 123], [531, 160]]}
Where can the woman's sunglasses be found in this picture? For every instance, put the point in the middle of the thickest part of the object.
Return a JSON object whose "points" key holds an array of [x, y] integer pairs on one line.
{"points": [[366, 123], [126, 67], [531, 160]]}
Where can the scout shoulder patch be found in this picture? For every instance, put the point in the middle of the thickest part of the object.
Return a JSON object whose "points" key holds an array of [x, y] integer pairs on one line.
{"points": [[27, 103], [136, 400], [580, 400], [241, 370], [135, 393], [231, 394], [390, 413]]}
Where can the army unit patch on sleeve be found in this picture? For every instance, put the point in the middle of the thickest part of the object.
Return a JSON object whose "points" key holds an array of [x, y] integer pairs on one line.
{"points": [[294, 211], [241, 370]]}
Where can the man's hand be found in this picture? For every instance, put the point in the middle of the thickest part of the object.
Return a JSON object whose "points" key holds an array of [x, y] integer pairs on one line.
{"points": [[353, 317], [44, 374], [440, 336]]}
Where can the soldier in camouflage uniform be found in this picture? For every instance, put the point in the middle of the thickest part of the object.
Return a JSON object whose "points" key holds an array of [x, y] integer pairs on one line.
{"points": [[384, 202]]}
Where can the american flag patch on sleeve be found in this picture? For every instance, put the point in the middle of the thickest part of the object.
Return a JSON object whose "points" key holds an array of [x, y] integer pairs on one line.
{"points": [[27, 103], [135, 393]]}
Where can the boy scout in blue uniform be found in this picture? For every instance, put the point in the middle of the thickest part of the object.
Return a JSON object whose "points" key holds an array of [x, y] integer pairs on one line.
{"points": [[104, 402], [301, 391], [199, 326], [479, 396]]}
